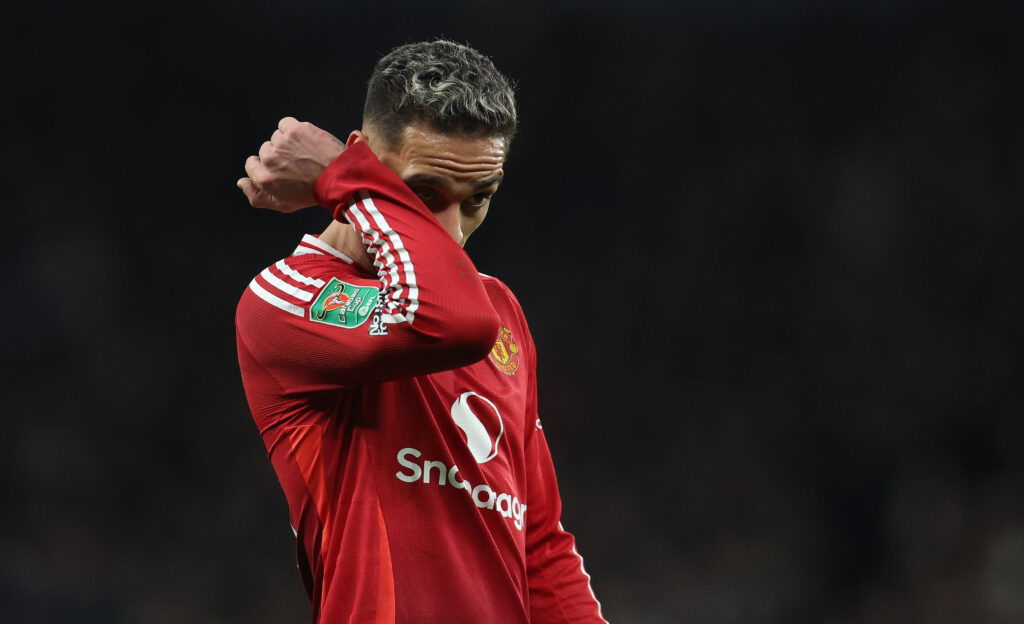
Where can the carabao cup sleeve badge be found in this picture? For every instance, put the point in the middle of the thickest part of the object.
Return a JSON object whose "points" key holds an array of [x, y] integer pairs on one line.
{"points": [[343, 304], [505, 353]]}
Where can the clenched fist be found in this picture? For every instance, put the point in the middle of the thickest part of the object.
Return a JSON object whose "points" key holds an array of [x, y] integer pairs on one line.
{"points": [[282, 177]]}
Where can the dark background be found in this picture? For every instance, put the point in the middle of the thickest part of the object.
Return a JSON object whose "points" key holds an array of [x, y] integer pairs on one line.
{"points": [[770, 252]]}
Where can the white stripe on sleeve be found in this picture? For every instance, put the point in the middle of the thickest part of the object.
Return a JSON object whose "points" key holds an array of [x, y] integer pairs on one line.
{"points": [[400, 250], [274, 300], [381, 249], [283, 267], [285, 287]]}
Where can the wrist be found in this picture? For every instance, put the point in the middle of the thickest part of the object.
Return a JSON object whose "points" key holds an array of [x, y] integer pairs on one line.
{"points": [[327, 191]]}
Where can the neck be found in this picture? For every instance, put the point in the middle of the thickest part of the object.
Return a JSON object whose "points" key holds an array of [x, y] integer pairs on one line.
{"points": [[344, 238]]}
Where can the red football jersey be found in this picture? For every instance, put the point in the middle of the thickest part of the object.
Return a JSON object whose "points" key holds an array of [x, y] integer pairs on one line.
{"points": [[399, 410]]}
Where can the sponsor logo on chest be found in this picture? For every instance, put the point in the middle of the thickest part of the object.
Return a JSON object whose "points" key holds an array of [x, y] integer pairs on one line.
{"points": [[480, 423]]}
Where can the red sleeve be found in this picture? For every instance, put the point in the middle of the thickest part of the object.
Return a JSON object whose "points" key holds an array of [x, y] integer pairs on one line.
{"points": [[560, 590], [435, 312]]}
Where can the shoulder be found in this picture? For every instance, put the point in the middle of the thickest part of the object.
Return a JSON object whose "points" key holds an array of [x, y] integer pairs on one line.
{"points": [[505, 302], [297, 282], [500, 293]]}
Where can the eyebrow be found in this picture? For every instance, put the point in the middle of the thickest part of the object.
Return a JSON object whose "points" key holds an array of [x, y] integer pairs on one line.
{"points": [[425, 178]]}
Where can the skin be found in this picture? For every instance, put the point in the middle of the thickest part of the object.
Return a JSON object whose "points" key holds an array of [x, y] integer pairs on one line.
{"points": [[454, 176]]}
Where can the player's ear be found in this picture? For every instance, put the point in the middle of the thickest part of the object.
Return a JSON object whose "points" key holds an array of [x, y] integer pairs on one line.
{"points": [[356, 136]]}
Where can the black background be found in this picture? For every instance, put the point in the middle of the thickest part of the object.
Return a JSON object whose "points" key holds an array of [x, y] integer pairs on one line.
{"points": [[770, 253]]}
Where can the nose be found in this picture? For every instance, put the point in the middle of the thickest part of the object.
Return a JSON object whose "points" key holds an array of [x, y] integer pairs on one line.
{"points": [[450, 217]]}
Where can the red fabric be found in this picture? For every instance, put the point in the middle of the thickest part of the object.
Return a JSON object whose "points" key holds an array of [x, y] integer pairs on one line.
{"points": [[419, 483]]}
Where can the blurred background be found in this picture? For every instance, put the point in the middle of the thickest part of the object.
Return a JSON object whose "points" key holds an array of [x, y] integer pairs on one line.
{"points": [[770, 252]]}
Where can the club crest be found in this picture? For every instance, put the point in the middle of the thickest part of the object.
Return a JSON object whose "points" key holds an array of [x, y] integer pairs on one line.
{"points": [[505, 353]]}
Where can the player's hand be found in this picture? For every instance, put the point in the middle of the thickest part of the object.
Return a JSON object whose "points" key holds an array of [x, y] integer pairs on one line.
{"points": [[282, 176]]}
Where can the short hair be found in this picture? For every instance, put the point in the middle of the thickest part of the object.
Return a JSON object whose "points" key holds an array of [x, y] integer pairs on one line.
{"points": [[450, 87]]}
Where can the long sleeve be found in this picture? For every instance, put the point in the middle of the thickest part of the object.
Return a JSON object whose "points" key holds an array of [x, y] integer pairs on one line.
{"points": [[430, 309], [560, 591]]}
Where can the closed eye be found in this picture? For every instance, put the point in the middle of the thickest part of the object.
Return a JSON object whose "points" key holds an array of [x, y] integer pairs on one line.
{"points": [[425, 193]]}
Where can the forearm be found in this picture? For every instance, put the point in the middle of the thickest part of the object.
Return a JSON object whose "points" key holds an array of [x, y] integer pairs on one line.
{"points": [[436, 314], [427, 280]]}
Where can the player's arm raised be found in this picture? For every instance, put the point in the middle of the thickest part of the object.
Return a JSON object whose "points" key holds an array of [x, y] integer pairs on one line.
{"points": [[433, 303]]}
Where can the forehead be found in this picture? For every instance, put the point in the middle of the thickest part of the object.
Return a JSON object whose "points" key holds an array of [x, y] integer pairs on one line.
{"points": [[423, 150]]}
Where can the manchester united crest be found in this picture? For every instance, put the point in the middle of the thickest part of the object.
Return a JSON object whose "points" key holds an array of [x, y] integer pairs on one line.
{"points": [[505, 353]]}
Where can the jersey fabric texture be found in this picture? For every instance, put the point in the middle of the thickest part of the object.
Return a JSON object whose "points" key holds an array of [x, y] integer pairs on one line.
{"points": [[399, 410]]}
